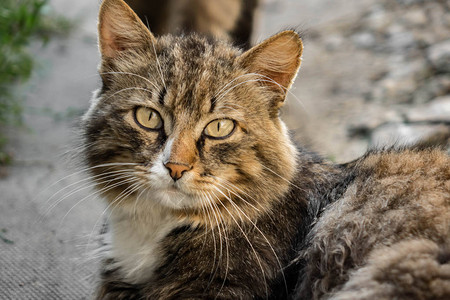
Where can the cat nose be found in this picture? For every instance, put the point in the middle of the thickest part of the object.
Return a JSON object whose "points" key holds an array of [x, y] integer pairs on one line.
{"points": [[176, 170]]}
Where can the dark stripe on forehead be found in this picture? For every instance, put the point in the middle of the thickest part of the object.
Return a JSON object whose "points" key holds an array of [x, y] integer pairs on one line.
{"points": [[161, 96], [213, 104]]}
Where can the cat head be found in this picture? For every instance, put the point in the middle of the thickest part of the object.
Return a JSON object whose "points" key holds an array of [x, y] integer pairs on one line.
{"points": [[189, 123]]}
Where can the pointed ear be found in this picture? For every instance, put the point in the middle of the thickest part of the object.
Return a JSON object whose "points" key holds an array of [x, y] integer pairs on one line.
{"points": [[277, 59], [120, 29]]}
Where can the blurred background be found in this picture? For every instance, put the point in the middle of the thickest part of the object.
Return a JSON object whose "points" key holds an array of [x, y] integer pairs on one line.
{"points": [[374, 72]]}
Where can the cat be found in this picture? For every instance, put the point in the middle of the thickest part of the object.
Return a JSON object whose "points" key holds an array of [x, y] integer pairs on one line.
{"points": [[230, 20], [209, 198]]}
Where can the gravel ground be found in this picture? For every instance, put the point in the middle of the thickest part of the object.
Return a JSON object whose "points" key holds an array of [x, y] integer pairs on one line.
{"points": [[374, 72]]}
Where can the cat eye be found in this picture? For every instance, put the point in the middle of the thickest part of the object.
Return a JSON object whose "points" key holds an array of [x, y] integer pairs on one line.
{"points": [[219, 129], [148, 118]]}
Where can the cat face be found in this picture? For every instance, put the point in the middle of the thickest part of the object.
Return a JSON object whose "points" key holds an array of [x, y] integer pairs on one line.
{"points": [[189, 122]]}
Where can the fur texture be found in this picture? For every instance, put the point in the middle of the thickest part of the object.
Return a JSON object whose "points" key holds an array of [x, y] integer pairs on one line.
{"points": [[387, 236], [230, 20], [225, 216], [207, 233]]}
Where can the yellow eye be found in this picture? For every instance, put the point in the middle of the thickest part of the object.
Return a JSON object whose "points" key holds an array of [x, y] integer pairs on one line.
{"points": [[148, 118], [219, 129]]}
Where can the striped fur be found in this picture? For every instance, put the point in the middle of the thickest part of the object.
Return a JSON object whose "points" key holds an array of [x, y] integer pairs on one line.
{"points": [[249, 215]]}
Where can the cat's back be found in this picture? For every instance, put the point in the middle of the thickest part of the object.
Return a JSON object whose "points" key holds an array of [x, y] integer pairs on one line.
{"points": [[394, 179], [389, 232], [396, 192]]}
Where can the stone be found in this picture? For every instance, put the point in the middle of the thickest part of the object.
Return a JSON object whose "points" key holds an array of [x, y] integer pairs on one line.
{"points": [[398, 134], [437, 110], [415, 17], [394, 90], [410, 2], [400, 41], [439, 56], [378, 20], [365, 40], [433, 87]]}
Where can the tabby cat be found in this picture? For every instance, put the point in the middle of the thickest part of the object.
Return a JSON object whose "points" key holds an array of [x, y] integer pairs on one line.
{"points": [[209, 199]]}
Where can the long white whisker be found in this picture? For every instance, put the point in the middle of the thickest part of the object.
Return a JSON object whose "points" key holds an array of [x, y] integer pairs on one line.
{"points": [[85, 170], [288, 181], [268, 79], [102, 176], [127, 89], [128, 73], [159, 66], [89, 196], [51, 207], [247, 239], [227, 250], [235, 86], [226, 85], [239, 196], [263, 235], [215, 214], [99, 218], [217, 210], [137, 200]]}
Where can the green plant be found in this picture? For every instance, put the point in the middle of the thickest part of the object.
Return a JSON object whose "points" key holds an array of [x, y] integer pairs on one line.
{"points": [[21, 22]]}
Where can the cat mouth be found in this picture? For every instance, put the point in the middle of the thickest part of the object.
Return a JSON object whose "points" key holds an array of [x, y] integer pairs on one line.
{"points": [[174, 189]]}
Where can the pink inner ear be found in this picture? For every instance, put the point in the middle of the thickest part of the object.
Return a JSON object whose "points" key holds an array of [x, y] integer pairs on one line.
{"points": [[278, 58], [120, 29], [108, 42], [109, 45]]}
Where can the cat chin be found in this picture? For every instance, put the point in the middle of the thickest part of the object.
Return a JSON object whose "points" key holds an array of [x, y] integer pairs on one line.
{"points": [[174, 198]]}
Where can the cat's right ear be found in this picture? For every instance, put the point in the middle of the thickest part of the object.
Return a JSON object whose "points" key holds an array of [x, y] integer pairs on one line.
{"points": [[276, 60], [120, 29]]}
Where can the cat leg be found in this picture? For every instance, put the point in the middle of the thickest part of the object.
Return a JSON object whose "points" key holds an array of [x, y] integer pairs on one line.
{"points": [[111, 290], [111, 287], [412, 269]]}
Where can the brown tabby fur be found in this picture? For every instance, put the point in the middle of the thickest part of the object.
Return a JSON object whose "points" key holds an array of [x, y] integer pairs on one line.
{"points": [[225, 19], [250, 199], [388, 237]]}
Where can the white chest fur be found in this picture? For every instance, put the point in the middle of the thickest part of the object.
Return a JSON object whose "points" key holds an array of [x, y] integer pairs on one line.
{"points": [[135, 242]]}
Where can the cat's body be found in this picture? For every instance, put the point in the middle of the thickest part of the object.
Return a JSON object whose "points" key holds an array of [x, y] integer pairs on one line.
{"points": [[208, 196], [230, 20], [388, 236]]}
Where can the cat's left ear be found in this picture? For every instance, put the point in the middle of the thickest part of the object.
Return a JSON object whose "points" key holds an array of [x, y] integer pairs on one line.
{"points": [[120, 29], [277, 60]]}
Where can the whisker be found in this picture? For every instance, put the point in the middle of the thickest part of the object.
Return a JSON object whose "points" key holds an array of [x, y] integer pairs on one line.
{"points": [[268, 79], [88, 196], [128, 89], [84, 170], [239, 196], [99, 218], [87, 186], [159, 66], [128, 73], [288, 181], [226, 85], [225, 242], [247, 239], [235, 86], [137, 200], [263, 235], [215, 214], [102, 176]]}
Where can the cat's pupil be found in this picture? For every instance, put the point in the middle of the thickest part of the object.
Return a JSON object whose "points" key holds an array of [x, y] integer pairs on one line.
{"points": [[150, 116], [218, 126]]}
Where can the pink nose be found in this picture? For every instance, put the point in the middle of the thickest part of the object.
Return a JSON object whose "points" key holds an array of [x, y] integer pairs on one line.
{"points": [[177, 170]]}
